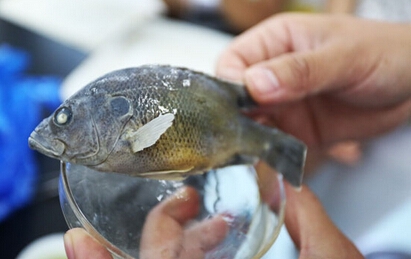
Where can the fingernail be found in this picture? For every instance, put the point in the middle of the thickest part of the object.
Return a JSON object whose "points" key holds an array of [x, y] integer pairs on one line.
{"points": [[174, 202], [295, 189], [182, 205], [181, 195], [262, 80], [68, 245]]}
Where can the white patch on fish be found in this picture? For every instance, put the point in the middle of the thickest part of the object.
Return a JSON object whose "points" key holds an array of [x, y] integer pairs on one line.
{"points": [[186, 82], [150, 133]]}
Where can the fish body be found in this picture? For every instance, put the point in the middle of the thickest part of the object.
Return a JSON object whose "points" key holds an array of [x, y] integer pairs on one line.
{"points": [[163, 122]]}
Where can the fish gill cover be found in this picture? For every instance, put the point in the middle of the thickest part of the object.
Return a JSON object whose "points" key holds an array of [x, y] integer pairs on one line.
{"points": [[23, 98]]}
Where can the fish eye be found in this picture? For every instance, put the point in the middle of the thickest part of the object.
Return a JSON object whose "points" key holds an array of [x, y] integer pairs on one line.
{"points": [[62, 116]]}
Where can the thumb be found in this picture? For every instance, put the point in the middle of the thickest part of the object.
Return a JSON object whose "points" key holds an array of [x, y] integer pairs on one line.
{"points": [[79, 244], [293, 76], [312, 230]]}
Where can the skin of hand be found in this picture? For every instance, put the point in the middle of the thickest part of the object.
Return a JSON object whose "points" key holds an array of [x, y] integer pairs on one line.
{"points": [[308, 224], [311, 229], [165, 234], [337, 77]]}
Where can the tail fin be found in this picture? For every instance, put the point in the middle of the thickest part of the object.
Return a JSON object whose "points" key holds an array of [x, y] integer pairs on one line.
{"points": [[287, 155]]}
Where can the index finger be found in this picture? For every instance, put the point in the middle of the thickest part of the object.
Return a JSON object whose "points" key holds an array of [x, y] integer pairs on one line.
{"points": [[312, 230], [251, 47], [166, 235], [279, 34], [163, 232]]}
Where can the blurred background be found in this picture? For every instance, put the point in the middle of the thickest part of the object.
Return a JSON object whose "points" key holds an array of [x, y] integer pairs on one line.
{"points": [[49, 49]]}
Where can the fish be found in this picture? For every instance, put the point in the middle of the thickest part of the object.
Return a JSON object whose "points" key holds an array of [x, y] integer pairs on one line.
{"points": [[164, 122]]}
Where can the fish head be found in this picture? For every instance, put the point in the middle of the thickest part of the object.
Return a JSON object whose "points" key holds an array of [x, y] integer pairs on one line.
{"points": [[69, 134], [84, 129]]}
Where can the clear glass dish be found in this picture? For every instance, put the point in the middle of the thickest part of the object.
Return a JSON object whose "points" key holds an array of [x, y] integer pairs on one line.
{"points": [[122, 212]]}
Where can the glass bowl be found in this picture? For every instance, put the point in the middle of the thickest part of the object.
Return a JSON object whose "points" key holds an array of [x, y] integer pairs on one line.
{"points": [[225, 213]]}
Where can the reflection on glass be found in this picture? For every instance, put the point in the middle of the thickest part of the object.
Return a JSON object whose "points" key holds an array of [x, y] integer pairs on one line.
{"points": [[225, 213]]}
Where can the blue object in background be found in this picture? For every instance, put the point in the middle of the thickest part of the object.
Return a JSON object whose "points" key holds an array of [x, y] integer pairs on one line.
{"points": [[23, 98]]}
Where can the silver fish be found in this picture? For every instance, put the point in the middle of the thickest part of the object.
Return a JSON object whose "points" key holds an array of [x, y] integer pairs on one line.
{"points": [[163, 122]]}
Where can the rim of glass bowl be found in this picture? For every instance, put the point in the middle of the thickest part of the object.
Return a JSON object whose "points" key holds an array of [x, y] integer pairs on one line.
{"points": [[85, 223], [281, 215], [118, 253]]}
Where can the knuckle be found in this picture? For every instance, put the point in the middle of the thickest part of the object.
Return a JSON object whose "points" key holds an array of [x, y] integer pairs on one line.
{"points": [[301, 71]]}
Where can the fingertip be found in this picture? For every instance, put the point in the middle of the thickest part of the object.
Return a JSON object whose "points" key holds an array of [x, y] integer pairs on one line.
{"points": [[68, 244], [221, 226], [301, 198], [267, 84], [230, 66], [213, 231], [182, 206], [303, 213], [296, 194], [347, 152], [311, 229], [79, 244], [297, 188]]}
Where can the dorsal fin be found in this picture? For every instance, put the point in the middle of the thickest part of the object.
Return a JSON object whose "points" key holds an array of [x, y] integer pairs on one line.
{"points": [[244, 100]]}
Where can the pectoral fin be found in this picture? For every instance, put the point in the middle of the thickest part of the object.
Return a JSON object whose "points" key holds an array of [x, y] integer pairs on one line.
{"points": [[149, 134]]}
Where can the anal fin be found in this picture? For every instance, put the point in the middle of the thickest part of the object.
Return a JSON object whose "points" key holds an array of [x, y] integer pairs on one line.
{"points": [[180, 174]]}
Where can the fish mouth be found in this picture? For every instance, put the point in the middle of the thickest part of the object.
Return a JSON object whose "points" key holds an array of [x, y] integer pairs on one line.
{"points": [[53, 148]]}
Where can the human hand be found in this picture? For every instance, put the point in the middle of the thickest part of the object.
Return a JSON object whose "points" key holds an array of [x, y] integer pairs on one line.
{"points": [[324, 78], [312, 231], [165, 234], [309, 226]]}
